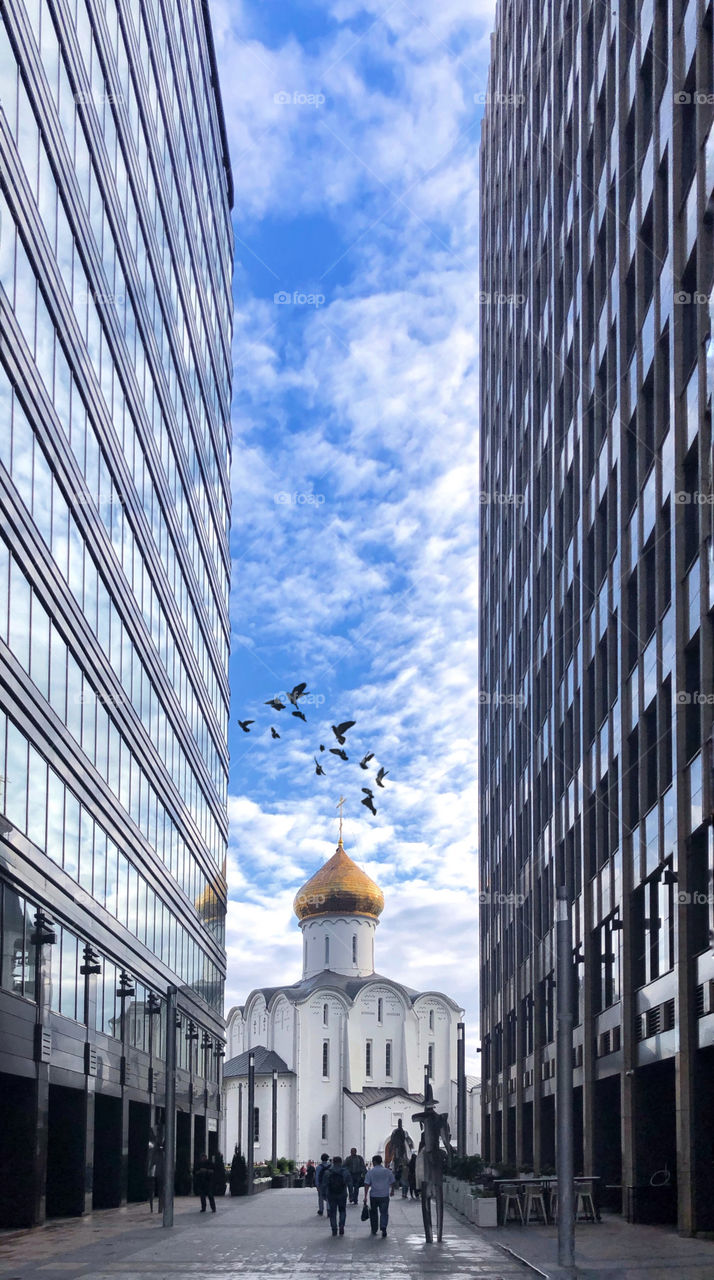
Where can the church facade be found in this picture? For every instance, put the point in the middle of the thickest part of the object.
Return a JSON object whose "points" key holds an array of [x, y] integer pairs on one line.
{"points": [[340, 1055]]}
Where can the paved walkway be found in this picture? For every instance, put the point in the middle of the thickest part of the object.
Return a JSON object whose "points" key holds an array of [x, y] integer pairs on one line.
{"points": [[276, 1235], [613, 1250]]}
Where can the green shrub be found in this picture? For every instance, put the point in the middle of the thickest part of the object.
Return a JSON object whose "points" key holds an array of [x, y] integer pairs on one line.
{"points": [[220, 1181], [239, 1175], [467, 1167]]}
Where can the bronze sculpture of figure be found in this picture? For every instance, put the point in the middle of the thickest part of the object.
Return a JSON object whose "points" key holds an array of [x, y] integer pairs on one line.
{"points": [[430, 1168], [398, 1147]]}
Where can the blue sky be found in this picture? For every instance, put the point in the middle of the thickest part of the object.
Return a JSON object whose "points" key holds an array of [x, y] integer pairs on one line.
{"points": [[354, 136]]}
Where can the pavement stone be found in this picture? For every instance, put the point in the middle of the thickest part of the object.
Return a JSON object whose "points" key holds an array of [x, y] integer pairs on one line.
{"points": [[274, 1235]]}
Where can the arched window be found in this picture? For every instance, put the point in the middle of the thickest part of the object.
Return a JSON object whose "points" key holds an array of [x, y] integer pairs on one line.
{"points": [[325, 1059], [431, 1019], [380, 1010], [323, 1128], [354, 948], [388, 1059], [325, 1014], [327, 952], [430, 1060]]}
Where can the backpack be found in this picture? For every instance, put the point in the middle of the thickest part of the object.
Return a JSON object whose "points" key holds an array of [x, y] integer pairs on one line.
{"points": [[335, 1183]]}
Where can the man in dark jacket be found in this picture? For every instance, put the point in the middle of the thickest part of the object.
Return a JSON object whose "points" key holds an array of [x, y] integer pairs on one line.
{"points": [[320, 1171], [203, 1176], [356, 1168], [337, 1183]]}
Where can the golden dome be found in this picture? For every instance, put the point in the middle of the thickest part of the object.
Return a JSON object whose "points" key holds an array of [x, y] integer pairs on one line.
{"points": [[339, 888]]}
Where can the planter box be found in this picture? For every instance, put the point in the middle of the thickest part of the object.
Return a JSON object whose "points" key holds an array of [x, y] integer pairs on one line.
{"points": [[485, 1211]]}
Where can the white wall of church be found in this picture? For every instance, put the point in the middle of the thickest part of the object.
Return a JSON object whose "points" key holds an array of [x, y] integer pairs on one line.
{"points": [[264, 1103], [344, 944], [378, 1020]]}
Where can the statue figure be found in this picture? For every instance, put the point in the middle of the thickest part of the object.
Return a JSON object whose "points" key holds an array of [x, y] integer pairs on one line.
{"points": [[398, 1147], [430, 1168], [155, 1169]]}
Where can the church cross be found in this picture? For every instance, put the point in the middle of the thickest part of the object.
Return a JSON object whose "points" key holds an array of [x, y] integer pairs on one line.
{"points": [[339, 805]]}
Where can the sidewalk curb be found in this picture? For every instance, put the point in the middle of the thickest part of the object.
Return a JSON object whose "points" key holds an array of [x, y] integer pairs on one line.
{"points": [[531, 1265]]}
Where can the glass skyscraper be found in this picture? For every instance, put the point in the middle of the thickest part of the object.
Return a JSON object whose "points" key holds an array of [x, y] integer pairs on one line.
{"points": [[597, 587], [115, 377]]}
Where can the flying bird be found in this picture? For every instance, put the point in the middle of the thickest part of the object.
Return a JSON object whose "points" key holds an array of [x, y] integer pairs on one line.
{"points": [[318, 768], [298, 692], [365, 760], [275, 702], [244, 725], [300, 715], [382, 774], [273, 732], [337, 751], [340, 730], [369, 802], [321, 747]]}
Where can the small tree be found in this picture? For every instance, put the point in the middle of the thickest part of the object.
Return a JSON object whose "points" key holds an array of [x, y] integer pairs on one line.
{"points": [[219, 1175], [239, 1175]]}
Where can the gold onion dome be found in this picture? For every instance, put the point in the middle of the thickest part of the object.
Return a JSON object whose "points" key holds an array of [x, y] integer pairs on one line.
{"points": [[339, 888]]}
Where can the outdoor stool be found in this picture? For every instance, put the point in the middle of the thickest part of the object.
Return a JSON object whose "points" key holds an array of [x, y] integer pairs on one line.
{"points": [[535, 1199], [509, 1196], [585, 1204]]}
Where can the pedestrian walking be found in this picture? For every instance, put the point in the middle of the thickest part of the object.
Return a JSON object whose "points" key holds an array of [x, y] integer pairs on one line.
{"points": [[337, 1182], [357, 1169], [310, 1174], [203, 1177], [323, 1166], [413, 1189], [379, 1183]]}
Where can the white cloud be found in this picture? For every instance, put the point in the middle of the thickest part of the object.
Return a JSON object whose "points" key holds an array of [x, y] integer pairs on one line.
{"points": [[368, 403]]}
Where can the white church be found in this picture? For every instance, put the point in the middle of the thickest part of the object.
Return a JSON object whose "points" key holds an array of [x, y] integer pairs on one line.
{"points": [[342, 1052]]}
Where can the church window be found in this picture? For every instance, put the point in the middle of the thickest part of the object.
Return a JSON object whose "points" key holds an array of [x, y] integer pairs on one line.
{"points": [[368, 1058], [430, 1060], [325, 1014], [388, 1058], [380, 1010], [325, 1059], [256, 1124], [354, 948], [431, 1019], [323, 1129], [327, 953]]}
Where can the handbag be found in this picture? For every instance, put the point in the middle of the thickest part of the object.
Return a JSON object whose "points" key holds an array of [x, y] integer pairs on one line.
{"points": [[365, 1212]]}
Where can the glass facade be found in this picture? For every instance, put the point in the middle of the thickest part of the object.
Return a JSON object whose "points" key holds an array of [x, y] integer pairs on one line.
{"points": [[115, 381], [597, 624]]}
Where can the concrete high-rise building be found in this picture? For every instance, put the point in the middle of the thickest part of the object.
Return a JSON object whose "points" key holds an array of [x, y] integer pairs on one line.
{"points": [[115, 376], [597, 590]]}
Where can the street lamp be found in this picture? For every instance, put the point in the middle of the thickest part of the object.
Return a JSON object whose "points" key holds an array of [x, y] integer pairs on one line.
{"points": [[191, 1035], [151, 1009], [251, 1119], [43, 936], [91, 966], [124, 991], [274, 1151]]}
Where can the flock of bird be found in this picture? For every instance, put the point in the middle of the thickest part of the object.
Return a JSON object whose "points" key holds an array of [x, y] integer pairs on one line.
{"points": [[301, 691]]}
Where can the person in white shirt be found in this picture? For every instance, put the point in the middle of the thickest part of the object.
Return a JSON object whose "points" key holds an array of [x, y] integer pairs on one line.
{"points": [[379, 1182]]}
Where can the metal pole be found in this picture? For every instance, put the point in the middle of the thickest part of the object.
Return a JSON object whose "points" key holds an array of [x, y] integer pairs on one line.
{"points": [[274, 1152], [564, 1082], [240, 1118], [170, 1122], [460, 1089], [251, 1119]]}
